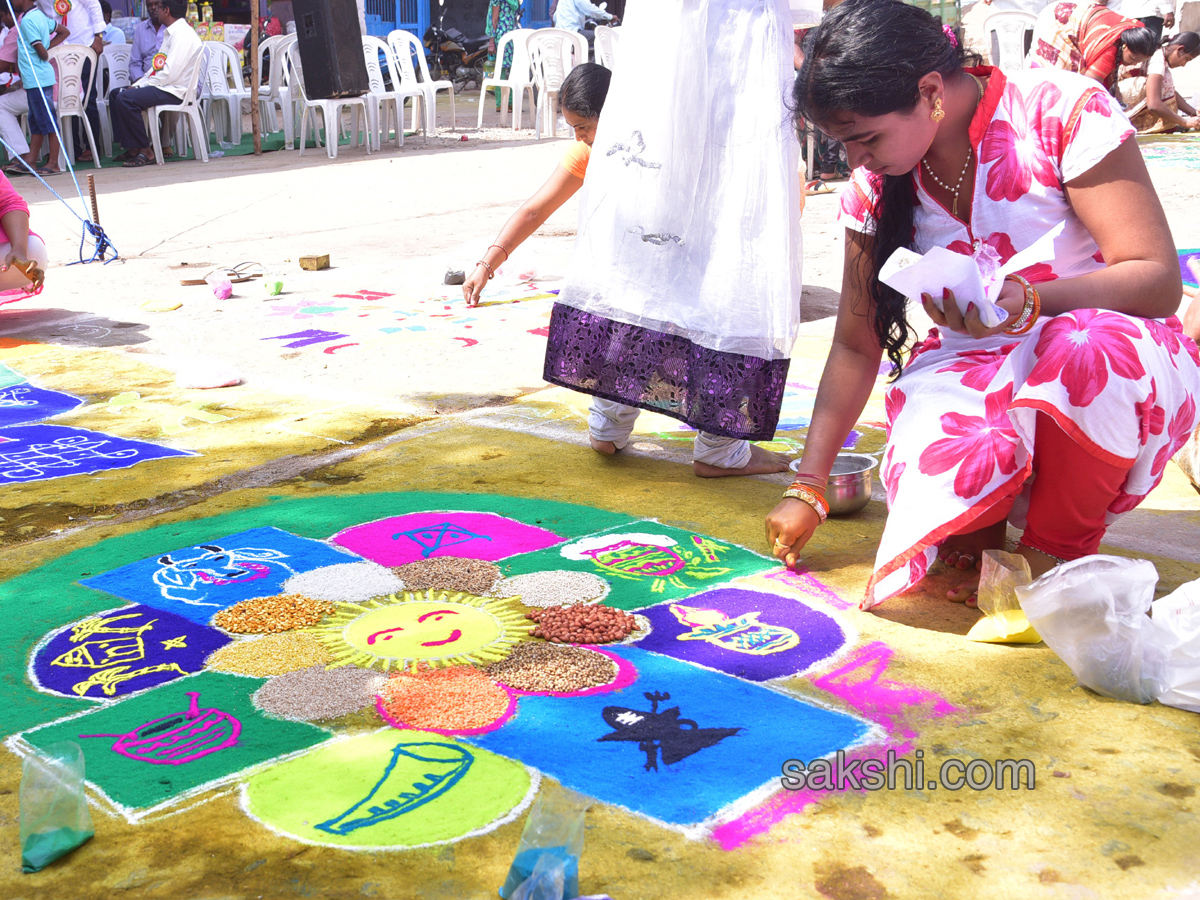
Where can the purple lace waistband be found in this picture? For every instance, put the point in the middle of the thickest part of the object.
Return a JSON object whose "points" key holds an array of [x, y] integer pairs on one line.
{"points": [[724, 394]]}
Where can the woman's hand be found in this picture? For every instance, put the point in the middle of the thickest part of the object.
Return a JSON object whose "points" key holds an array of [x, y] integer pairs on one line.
{"points": [[475, 284], [29, 268], [790, 526], [1191, 122], [1011, 300]]}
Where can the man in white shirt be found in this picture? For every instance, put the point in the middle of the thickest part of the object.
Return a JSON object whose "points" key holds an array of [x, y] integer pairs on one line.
{"points": [[571, 14], [172, 72], [1154, 14]]}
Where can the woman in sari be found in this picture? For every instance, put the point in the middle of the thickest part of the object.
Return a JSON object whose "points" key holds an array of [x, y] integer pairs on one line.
{"points": [[1089, 39], [1148, 91], [1087, 381]]}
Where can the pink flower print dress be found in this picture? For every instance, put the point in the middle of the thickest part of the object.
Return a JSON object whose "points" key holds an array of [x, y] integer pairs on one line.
{"points": [[961, 418]]}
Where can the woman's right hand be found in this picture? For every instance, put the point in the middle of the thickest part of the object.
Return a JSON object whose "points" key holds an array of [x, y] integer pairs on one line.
{"points": [[790, 525], [474, 285], [1192, 122]]}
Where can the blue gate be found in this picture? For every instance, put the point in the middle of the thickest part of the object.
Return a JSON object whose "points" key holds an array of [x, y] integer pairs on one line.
{"points": [[535, 14], [384, 16]]}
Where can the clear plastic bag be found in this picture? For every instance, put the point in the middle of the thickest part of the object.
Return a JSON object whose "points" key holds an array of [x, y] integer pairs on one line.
{"points": [[1092, 613], [54, 811], [1176, 622], [1003, 621], [554, 829], [546, 882]]}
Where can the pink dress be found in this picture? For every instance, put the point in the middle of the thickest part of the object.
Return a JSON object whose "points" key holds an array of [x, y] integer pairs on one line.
{"points": [[961, 417]]}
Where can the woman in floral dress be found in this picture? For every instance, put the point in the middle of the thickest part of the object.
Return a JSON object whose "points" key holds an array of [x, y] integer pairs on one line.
{"points": [[1088, 383], [501, 19]]}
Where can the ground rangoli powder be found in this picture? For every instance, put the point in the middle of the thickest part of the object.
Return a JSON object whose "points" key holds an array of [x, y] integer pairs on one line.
{"points": [[460, 698]]}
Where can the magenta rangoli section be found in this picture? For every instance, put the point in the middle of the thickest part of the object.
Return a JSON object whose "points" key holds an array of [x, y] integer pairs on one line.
{"points": [[427, 535]]}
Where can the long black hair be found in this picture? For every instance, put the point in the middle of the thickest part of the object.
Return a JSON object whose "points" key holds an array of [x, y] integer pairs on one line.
{"points": [[584, 90], [1140, 40], [866, 58]]}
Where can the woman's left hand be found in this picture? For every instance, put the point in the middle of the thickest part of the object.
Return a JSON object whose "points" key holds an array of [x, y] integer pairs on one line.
{"points": [[29, 268], [1011, 300]]}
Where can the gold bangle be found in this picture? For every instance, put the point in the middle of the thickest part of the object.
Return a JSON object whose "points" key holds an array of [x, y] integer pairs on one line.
{"points": [[491, 274], [809, 496], [1031, 309]]}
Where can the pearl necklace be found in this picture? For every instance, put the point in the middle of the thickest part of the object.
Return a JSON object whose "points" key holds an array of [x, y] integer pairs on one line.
{"points": [[953, 191]]}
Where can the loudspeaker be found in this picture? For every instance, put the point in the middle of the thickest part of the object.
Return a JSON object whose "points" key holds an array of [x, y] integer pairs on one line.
{"points": [[331, 50]]}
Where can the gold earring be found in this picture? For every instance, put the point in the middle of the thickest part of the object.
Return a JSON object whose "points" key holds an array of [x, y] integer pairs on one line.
{"points": [[938, 113]]}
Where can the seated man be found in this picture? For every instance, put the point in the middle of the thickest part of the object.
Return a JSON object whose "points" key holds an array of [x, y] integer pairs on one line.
{"points": [[148, 36], [112, 34], [166, 84], [13, 102]]}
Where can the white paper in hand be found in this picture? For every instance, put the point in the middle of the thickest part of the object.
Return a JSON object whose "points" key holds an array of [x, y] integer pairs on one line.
{"points": [[914, 274]]}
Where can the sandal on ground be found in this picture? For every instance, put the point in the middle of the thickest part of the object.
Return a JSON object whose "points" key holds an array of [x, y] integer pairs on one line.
{"points": [[817, 186], [246, 270], [124, 157], [138, 161], [44, 172], [15, 169], [84, 156], [233, 275]]}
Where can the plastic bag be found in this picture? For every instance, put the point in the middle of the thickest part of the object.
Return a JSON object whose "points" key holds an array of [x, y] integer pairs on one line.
{"points": [[54, 811], [546, 882], [554, 829], [1092, 613], [1176, 621], [1003, 622]]}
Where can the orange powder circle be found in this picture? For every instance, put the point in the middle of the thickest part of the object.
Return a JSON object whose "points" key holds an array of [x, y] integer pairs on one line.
{"points": [[459, 698]]}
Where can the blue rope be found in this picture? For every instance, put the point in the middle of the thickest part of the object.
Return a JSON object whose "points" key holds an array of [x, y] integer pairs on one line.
{"points": [[102, 245]]}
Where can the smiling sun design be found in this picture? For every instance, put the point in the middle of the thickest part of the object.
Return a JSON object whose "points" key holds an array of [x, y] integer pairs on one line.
{"points": [[434, 627]]}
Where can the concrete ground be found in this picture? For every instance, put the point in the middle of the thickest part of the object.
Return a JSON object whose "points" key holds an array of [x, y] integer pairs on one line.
{"points": [[390, 384]]}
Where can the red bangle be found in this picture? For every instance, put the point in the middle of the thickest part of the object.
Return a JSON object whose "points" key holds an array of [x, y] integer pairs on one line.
{"points": [[501, 249]]}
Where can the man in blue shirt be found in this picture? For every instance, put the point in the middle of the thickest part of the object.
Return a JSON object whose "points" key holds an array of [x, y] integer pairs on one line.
{"points": [[37, 35]]}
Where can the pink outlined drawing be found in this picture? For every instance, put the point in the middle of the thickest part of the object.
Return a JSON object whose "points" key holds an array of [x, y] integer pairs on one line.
{"points": [[178, 738]]}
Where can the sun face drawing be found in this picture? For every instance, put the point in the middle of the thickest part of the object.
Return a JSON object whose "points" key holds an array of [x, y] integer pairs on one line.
{"points": [[433, 627]]}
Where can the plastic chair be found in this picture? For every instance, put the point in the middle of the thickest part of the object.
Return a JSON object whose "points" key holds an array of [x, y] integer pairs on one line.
{"points": [[190, 113], [607, 39], [553, 53], [519, 80], [114, 62], [406, 47], [278, 90], [381, 99], [1009, 26], [72, 89], [223, 87], [330, 110]]}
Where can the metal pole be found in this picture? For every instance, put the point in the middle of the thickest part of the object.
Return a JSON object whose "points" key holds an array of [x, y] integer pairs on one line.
{"points": [[255, 78]]}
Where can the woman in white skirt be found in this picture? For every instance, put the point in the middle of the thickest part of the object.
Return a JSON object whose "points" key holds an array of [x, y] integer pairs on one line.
{"points": [[684, 291]]}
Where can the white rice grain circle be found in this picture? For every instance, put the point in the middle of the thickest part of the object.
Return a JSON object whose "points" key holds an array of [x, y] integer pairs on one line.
{"points": [[345, 582], [558, 587]]}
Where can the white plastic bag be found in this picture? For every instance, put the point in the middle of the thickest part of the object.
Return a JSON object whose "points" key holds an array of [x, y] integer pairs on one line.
{"points": [[1177, 624], [1092, 613]]}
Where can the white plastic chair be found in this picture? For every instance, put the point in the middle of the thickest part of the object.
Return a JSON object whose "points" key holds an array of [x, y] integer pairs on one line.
{"points": [[1009, 27], [553, 53], [115, 61], [519, 80], [72, 89], [607, 39], [190, 114], [406, 47], [277, 90], [223, 87], [330, 110], [381, 100]]}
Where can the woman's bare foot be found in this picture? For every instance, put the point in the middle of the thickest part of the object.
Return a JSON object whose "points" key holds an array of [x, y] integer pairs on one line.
{"points": [[762, 462], [608, 448], [965, 552]]}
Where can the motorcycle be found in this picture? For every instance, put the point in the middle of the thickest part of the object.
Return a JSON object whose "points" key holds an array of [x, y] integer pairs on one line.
{"points": [[456, 58]]}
